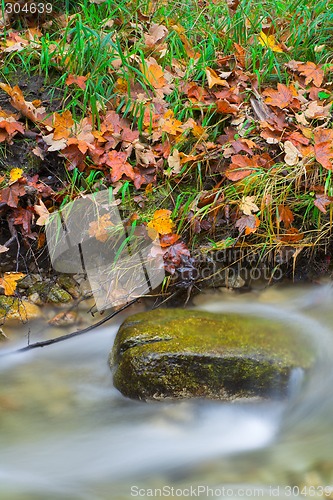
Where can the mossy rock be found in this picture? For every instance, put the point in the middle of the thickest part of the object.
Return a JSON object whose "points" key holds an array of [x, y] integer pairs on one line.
{"points": [[177, 353], [14, 309]]}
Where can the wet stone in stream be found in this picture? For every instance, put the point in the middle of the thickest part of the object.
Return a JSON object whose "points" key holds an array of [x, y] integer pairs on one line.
{"points": [[177, 353]]}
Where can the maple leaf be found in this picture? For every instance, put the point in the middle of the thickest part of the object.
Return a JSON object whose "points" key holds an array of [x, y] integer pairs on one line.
{"points": [[174, 162], [285, 215], [11, 194], [9, 282], [241, 167], [154, 73], [62, 125], [247, 205], [11, 126], [170, 124], [312, 73], [23, 217], [100, 229], [269, 42], [167, 240], [15, 174], [214, 79], [43, 213], [176, 254], [117, 160], [161, 223], [53, 144], [321, 201], [281, 98], [315, 111], [323, 147], [78, 80], [247, 223]]}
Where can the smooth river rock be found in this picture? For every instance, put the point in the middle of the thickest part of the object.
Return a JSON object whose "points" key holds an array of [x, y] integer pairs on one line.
{"points": [[177, 353]]}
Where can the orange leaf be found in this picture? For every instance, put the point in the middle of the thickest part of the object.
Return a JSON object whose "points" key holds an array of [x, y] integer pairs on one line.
{"points": [[79, 80], [117, 160], [9, 282], [100, 229], [62, 125], [285, 215], [292, 236], [241, 167], [214, 79], [323, 147], [281, 98], [154, 74], [312, 73], [160, 223], [225, 107]]}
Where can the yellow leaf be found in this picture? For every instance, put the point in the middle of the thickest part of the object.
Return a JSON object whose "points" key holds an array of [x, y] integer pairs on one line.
{"points": [[160, 223], [269, 41], [9, 282], [15, 174]]}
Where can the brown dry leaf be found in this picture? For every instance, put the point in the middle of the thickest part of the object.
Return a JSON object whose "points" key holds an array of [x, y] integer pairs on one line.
{"points": [[28, 109], [174, 162], [100, 229], [315, 111], [161, 223], [43, 213], [62, 125], [154, 73], [214, 79], [117, 160], [285, 215], [54, 145], [9, 282], [312, 73], [247, 205], [321, 201], [79, 80], [292, 236], [247, 223], [280, 98], [156, 34], [224, 107], [240, 167], [292, 154], [323, 147]]}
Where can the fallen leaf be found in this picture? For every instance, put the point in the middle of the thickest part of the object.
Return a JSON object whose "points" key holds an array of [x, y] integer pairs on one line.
{"points": [[292, 154], [62, 125], [174, 162], [15, 174], [323, 147], [9, 282], [247, 205], [79, 80], [161, 223], [321, 201], [292, 236], [117, 160], [280, 98], [214, 79], [316, 111], [100, 229], [3, 249], [312, 73], [247, 223], [240, 167], [285, 215], [43, 213], [269, 42]]}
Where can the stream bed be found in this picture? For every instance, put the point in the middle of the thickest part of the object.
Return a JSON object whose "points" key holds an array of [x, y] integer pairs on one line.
{"points": [[67, 433]]}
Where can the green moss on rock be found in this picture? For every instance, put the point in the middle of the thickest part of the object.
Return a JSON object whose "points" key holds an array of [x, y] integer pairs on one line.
{"points": [[177, 353]]}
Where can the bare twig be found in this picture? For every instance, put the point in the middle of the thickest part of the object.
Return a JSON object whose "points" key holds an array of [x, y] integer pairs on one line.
{"points": [[45, 343]]}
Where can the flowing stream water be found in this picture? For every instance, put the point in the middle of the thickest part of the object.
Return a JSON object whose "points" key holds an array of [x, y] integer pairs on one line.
{"points": [[66, 433]]}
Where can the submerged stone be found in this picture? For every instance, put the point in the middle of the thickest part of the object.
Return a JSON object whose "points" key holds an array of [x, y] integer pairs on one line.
{"points": [[177, 353], [13, 309]]}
